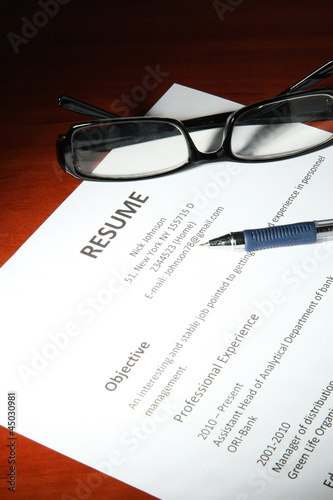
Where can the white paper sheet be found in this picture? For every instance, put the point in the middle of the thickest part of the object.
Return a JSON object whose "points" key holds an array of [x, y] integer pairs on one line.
{"points": [[185, 371]]}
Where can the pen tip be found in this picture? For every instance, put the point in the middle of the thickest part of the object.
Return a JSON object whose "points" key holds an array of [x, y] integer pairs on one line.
{"points": [[205, 244]]}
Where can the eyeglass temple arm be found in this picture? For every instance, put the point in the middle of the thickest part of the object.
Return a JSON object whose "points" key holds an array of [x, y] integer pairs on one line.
{"points": [[315, 77], [71, 104], [308, 81], [82, 108]]}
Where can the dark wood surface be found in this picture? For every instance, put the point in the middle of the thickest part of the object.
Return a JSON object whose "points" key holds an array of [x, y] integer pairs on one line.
{"points": [[101, 52]]}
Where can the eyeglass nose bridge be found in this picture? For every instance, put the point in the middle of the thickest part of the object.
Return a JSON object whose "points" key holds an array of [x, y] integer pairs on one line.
{"points": [[205, 126], [213, 130], [219, 155]]}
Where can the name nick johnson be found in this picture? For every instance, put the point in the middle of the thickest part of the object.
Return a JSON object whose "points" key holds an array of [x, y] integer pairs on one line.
{"points": [[110, 229]]}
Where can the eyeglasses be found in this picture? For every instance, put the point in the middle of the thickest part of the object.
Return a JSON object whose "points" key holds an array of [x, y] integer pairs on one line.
{"points": [[115, 148]]}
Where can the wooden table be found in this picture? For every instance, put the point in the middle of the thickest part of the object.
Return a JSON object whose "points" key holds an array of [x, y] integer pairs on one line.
{"points": [[123, 56]]}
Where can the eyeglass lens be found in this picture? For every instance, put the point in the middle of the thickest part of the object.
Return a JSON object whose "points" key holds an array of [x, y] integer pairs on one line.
{"points": [[277, 129], [129, 149]]}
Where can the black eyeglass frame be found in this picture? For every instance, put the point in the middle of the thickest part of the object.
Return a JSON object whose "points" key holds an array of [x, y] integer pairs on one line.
{"points": [[224, 153]]}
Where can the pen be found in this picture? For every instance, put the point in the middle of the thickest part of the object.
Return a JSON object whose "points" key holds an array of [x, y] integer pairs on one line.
{"points": [[301, 233]]}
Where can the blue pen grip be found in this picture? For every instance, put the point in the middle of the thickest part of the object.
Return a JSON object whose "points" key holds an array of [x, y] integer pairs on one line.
{"points": [[280, 236]]}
